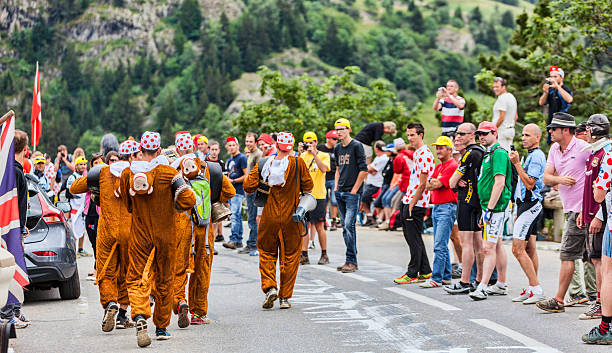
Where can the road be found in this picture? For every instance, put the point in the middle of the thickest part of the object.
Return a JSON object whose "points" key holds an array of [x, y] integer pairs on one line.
{"points": [[332, 312]]}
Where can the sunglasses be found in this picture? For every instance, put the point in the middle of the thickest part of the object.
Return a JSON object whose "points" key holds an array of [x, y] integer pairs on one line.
{"points": [[341, 129], [463, 133], [113, 160], [483, 133]]}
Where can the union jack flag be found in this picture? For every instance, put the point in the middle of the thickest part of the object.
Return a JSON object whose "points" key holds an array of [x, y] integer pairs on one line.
{"points": [[9, 211]]}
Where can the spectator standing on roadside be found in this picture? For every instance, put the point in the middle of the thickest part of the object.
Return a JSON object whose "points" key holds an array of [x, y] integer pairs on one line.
{"points": [[64, 163], [213, 156], [556, 95], [402, 164], [236, 168], [529, 206], [39, 172], [451, 106], [374, 181], [350, 174], [565, 167], [202, 144], [581, 132], [254, 155], [265, 143], [415, 203], [373, 132], [495, 192], [388, 189], [444, 213], [331, 140], [505, 113]]}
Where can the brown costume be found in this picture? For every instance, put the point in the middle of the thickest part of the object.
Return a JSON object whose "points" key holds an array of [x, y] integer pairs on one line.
{"points": [[112, 240], [199, 280], [276, 228], [153, 205]]}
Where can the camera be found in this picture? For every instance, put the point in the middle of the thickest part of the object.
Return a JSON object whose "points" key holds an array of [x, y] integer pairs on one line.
{"points": [[63, 154], [548, 81]]}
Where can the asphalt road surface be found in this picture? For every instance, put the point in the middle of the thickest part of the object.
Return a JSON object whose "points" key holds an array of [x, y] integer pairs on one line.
{"points": [[332, 312]]}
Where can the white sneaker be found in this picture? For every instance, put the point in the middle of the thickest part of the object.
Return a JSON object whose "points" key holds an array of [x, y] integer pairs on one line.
{"points": [[478, 294], [534, 298], [497, 290], [429, 284], [523, 296]]}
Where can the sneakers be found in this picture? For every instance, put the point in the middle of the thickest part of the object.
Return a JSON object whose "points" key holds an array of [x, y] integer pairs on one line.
{"points": [[478, 294], [324, 260], [161, 334], [284, 303], [21, 317], [333, 226], [384, 225], [142, 337], [271, 296], [247, 249], [18, 323], [523, 296], [474, 285], [123, 323], [430, 283], [83, 253], [311, 244], [577, 300], [108, 321], [199, 320], [254, 253], [341, 266], [457, 288], [404, 279], [349, 268], [231, 245], [183, 314], [550, 305], [594, 312], [219, 238], [596, 337], [497, 290], [424, 277], [456, 271], [533, 298], [304, 260]]}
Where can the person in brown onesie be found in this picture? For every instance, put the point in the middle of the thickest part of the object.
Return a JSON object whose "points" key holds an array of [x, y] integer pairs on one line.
{"points": [[112, 237], [153, 192], [279, 237]]}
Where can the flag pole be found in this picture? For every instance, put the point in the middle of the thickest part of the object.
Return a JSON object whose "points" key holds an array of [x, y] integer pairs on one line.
{"points": [[6, 116]]}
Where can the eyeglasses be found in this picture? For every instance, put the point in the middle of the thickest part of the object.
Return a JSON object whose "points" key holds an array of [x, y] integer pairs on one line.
{"points": [[483, 133], [114, 160], [463, 133]]}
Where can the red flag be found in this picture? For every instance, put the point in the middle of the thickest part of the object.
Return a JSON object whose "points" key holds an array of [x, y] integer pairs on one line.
{"points": [[36, 111]]}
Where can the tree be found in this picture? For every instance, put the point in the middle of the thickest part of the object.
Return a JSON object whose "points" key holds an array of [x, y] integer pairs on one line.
{"points": [[165, 116], [458, 13], [416, 21], [179, 40], [507, 19], [190, 18], [491, 37], [71, 72], [122, 113], [475, 15]]}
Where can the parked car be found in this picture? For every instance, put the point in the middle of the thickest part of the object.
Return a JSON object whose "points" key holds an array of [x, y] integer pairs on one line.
{"points": [[50, 249]]}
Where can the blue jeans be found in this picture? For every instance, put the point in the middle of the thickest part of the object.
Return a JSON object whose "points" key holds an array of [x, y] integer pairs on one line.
{"points": [[348, 205], [236, 208], [330, 195], [252, 221], [388, 196], [443, 217]]}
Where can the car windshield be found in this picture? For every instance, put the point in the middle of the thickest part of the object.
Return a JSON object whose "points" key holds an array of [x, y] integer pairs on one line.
{"points": [[34, 206]]}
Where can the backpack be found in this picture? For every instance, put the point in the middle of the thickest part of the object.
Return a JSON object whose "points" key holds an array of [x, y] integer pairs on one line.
{"points": [[514, 177], [200, 213]]}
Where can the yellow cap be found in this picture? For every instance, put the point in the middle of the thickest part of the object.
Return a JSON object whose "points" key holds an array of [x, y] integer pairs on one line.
{"points": [[203, 138], [310, 136], [80, 160], [39, 159], [443, 141], [343, 121]]}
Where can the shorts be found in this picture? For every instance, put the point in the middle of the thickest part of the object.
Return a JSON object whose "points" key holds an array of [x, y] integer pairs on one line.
{"points": [[594, 244], [330, 194], [494, 231], [378, 203], [367, 150], [318, 214], [526, 223], [505, 138], [396, 201], [574, 239], [468, 217], [606, 243], [368, 191]]}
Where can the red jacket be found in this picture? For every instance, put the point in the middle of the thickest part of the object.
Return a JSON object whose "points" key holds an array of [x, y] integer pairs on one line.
{"points": [[402, 164]]}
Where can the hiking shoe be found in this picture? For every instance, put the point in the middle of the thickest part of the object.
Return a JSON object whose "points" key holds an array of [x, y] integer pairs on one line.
{"points": [[551, 305], [254, 253], [324, 260], [142, 337], [523, 296], [271, 296], [533, 298], [594, 312], [199, 320], [18, 323], [229, 245], [596, 337], [579, 299], [284, 303], [304, 260], [424, 277], [311, 244], [123, 323], [478, 294], [161, 334], [430, 283], [183, 314], [246, 250], [497, 290], [405, 279], [108, 322], [350, 267], [219, 238], [339, 268], [457, 288]]}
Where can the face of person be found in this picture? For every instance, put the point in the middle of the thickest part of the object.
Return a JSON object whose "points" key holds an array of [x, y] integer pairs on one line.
{"points": [[263, 146], [443, 152], [249, 141], [40, 167], [202, 146], [556, 77], [451, 87], [342, 131], [487, 138], [80, 168], [556, 134], [214, 151], [463, 137], [585, 135], [498, 88], [114, 159], [332, 142], [414, 139], [97, 161], [232, 147], [529, 138]]}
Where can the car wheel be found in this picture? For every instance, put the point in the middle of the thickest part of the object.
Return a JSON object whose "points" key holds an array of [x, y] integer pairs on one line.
{"points": [[71, 289]]}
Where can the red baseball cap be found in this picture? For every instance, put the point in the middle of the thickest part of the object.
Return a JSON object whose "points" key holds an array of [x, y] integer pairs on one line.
{"points": [[232, 139], [487, 126], [332, 134], [265, 138]]}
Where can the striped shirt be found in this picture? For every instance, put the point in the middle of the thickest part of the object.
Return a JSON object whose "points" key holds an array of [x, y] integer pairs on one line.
{"points": [[451, 115]]}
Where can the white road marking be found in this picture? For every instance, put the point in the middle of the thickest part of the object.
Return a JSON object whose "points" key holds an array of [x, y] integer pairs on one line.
{"points": [[423, 299], [519, 337], [352, 275]]}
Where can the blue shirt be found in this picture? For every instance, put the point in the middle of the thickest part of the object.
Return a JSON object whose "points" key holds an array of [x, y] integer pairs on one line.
{"points": [[534, 166], [235, 166]]}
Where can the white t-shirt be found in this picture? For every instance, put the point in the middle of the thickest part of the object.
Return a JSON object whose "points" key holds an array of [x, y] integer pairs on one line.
{"points": [[423, 163], [378, 164], [507, 103]]}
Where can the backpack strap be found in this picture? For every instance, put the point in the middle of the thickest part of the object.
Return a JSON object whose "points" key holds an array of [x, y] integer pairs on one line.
{"points": [[216, 181], [491, 153]]}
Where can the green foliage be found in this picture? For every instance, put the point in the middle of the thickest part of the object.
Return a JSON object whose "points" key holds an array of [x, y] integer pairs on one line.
{"points": [[190, 18], [476, 15], [507, 19]]}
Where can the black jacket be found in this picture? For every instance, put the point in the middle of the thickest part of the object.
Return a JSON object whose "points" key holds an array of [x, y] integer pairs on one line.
{"points": [[22, 195]]}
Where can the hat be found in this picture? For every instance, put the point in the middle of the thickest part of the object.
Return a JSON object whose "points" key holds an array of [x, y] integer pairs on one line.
{"points": [[557, 70], [444, 141], [332, 134], [80, 160], [342, 121], [310, 136], [487, 126], [231, 139], [285, 141], [265, 138], [150, 141], [203, 138], [39, 159], [129, 147], [399, 142], [581, 127], [562, 120], [183, 141], [390, 147]]}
